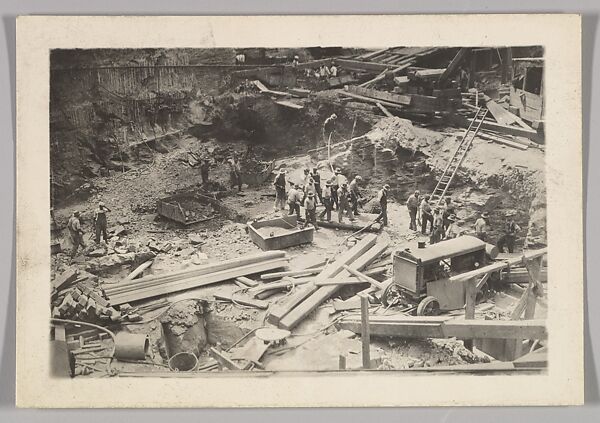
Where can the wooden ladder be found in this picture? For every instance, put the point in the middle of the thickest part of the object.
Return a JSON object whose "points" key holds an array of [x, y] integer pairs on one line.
{"points": [[457, 158]]}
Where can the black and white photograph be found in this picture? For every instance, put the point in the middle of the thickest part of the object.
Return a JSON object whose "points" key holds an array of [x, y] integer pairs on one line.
{"points": [[305, 209], [268, 213]]}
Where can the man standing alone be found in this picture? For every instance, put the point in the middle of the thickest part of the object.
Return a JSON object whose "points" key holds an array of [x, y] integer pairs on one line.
{"points": [[100, 222], [382, 197], [310, 210], [412, 204]]}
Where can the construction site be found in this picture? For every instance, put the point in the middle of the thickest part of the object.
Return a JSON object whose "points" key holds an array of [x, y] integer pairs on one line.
{"points": [[319, 209]]}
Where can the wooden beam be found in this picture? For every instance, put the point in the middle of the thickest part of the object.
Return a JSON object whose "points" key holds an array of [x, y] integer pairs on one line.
{"points": [[364, 277], [321, 294], [194, 281], [495, 329], [277, 312], [410, 327], [453, 66], [138, 270], [384, 110], [238, 299], [404, 100], [279, 275], [365, 334], [361, 66], [529, 255]]}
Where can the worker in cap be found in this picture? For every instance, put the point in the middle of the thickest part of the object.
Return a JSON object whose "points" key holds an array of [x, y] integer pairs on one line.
{"points": [[100, 222], [412, 204], [355, 194], [344, 202], [310, 211], [316, 176], [75, 232], [481, 227], [509, 235], [382, 196], [327, 202], [280, 186], [426, 215], [447, 210], [294, 199], [453, 230]]}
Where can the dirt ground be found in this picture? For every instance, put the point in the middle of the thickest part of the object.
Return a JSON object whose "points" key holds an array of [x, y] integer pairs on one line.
{"points": [[315, 344]]}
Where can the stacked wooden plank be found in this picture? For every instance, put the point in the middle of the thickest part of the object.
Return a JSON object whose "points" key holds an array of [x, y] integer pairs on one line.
{"points": [[159, 285], [447, 327], [413, 103], [310, 296]]}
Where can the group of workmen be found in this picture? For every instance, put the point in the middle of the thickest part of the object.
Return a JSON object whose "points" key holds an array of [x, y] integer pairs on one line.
{"points": [[338, 194], [76, 229], [440, 222]]}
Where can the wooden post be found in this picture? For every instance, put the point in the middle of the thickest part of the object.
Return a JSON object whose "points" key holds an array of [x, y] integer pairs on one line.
{"points": [[342, 362], [365, 335], [470, 300]]}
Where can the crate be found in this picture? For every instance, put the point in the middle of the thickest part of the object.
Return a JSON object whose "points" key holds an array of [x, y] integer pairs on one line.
{"points": [[291, 236]]}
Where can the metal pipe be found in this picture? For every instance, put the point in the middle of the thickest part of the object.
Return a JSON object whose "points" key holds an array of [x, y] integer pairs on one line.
{"points": [[131, 346]]}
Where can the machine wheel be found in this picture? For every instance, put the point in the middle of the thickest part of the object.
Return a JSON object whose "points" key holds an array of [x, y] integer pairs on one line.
{"points": [[429, 306], [392, 295]]}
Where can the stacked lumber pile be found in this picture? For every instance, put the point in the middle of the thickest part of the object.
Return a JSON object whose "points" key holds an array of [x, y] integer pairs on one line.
{"points": [[160, 285], [76, 296], [308, 297]]}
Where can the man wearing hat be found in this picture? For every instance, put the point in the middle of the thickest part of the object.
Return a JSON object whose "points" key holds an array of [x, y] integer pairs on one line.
{"points": [[453, 230], [382, 196], [437, 231], [74, 226], [448, 210], [510, 233], [344, 202], [100, 222], [412, 204], [355, 194], [310, 211], [426, 215], [329, 125], [316, 176], [334, 188], [294, 200], [481, 227], [280, 190], [327, 202]]}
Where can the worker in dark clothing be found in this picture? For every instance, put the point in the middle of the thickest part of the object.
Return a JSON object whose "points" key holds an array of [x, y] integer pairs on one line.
{"points": [[76, 232], [338, 178], [310, 211], [235, 173], [100, 221], [316, 176], [426, 215], [344, 203], [448, 211], [327, 202], [437, 230], [509, 236], [204, 168], [412, 204], [355, 194], [280, 190], [382, 196]]}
